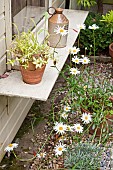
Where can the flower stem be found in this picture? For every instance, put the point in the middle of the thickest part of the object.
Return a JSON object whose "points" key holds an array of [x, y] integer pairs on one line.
{"points": [[94, 48], [56, 46], [27, 160]]}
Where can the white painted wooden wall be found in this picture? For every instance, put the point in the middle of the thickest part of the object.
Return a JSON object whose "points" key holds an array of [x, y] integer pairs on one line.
{"points": [[13, 110], [2, 38]]}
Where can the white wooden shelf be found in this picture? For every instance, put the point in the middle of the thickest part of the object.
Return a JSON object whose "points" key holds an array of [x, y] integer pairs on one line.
{"points": [[13, 84]]}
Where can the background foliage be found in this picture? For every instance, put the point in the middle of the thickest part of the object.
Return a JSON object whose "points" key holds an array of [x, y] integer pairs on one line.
{"points": [[103, 35]]}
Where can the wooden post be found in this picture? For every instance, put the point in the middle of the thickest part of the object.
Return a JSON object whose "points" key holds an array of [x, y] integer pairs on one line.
{"points": [[8, 26]]}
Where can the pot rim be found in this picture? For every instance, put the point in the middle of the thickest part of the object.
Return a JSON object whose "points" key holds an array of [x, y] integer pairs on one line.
{"points": [[110, 46]]}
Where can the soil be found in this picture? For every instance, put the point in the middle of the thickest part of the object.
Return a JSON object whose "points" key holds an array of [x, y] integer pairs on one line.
{"points": [[35, 130]]}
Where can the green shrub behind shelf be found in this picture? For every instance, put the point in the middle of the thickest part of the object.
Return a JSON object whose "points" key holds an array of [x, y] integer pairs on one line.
{"points": [[81, 156], [103, 36]]}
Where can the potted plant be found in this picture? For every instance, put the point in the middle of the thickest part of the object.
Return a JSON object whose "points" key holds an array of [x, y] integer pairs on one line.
{"points": [[108, 18], [31, 56]]}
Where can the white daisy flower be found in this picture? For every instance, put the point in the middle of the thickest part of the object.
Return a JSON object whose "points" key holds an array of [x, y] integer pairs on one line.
{"points": [[76, 60], [64, 115], [59, 149], [78, 128], [93, 27], [41, 155], [60, 30], [85, 60], [81, 26], [60, 128], [10, 147], [86, 118], [67, 108], [74, 71], [74, 50]]}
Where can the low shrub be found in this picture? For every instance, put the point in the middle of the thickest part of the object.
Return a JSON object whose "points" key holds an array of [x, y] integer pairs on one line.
{"points": [[83, 156], [103, 35]]}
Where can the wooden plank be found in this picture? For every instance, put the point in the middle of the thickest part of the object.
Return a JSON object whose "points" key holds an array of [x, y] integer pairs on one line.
{"points": [[57, 3], [6, 115], [13, 125], [2, 46], [3, 64], [41, 91], [8, 120], [1, 6], [108, 2], [3, 103], [2, 23], [17, 6], [9, 110], [62, 5], [12, 103], [36, 2], [8, 26]]}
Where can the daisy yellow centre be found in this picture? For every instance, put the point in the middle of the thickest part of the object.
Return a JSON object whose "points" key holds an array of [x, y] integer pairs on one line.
{"points": [[84, 61], [60, 128], [76, 60], [86, 117], [61, 30], [78, 127], [60, 149], [67, 108], [74, 51], [41, 154], [10, 145], [74, 71]]}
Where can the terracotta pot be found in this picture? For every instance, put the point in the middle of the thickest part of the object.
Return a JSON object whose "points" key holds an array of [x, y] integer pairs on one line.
{"points": [[111, 52], [31, 75]]}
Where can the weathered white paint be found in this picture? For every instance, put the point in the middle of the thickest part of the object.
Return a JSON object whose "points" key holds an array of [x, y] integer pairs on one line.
{"points": [[2, 45], [22, 19], [1, 6], [3, 104], [13, 123], [3, 64], [2, 38], [2, 25], [41, 91], [62, 5], [57, 3], [8, 26], [73, 5]]}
